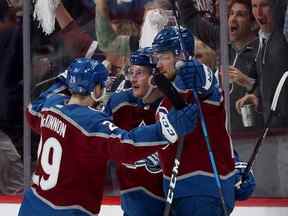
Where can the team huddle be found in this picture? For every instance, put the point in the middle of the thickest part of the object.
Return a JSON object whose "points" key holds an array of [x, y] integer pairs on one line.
{"points": [[139, 129]]}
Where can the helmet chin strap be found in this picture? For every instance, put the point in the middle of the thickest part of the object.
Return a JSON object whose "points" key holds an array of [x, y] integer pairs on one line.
{"points": [[152, 86], [99, 99]]}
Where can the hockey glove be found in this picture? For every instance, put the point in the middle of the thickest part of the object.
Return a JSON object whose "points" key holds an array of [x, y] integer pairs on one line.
{"points": [[244, 186], [177, 122], [196, 76]]}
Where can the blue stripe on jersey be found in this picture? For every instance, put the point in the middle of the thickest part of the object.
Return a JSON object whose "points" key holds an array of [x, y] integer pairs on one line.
{"points": [[97, 123], [203, 185], [34, 205], [143, 205]]}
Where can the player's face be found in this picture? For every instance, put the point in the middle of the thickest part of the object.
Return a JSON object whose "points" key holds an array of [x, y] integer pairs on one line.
{"points": [[240, 22], [140, 80], [166, 64], [262, 12]]}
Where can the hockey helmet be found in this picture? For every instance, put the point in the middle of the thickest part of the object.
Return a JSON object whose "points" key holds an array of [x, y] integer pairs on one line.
{"points": [[84, 74], [142, 57], [168, 40]]}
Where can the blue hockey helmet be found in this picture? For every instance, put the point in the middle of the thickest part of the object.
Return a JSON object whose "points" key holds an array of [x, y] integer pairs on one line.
{"points": [[168, 40], [84, 74], [142, 57]]}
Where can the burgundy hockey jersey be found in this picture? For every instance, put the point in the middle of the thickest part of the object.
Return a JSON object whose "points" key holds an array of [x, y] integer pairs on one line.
{"points": [[141, 183], [195, 175], [76, 142]]}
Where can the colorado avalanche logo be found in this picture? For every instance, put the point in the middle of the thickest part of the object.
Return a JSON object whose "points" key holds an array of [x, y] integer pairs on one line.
{"points": [[151, 164]]}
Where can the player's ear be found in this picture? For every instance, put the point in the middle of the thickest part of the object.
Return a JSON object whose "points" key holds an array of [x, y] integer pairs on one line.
{"points": [[98, 93]]}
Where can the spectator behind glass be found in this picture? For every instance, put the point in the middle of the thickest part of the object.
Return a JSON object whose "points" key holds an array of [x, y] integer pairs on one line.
{"points": [[113, 41], [79, 43], [117, 37], [11, 122], [242, 52], [244, 43], [242, 49], [271, 63], [109, 39], [116, 42], [129, 10]]}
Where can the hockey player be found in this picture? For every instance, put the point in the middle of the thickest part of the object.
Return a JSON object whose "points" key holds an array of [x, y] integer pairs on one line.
{"points": [[191, 75], [77, 140], [140, 182], [196, 192]]}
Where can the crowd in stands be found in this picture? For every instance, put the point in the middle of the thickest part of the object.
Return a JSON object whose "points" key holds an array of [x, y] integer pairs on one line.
{"points": [[110, 30]]}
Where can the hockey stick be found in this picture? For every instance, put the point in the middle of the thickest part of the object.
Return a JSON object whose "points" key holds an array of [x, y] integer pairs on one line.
{"points": [[266, 128], [46, 82], [169, 91], [38, 87], [169, 198]]}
